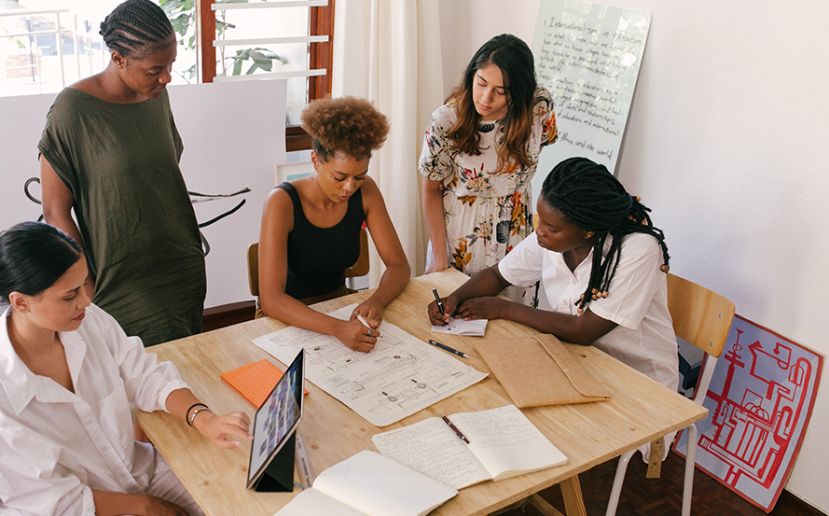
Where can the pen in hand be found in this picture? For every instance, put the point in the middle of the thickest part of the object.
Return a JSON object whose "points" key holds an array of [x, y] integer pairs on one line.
{"points": [[439, 301], [365, 323]]}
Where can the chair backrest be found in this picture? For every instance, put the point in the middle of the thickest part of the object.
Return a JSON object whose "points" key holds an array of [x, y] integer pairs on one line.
{"points": [[253, 269], [700, 316], [360, 267]]}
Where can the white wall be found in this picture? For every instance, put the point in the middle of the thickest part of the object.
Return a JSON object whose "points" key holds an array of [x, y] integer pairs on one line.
{"points": [[234, 135], [728, 142]]}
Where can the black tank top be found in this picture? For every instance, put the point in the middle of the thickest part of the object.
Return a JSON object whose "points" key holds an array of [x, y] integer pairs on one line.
{"points": [[318, 257]]}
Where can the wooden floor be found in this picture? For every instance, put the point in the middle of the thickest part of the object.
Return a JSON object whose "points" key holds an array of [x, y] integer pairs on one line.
{"points": [[663, 496]]}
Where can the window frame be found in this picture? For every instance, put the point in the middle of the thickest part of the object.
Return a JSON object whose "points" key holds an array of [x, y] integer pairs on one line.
{"points": [[321, 55]]}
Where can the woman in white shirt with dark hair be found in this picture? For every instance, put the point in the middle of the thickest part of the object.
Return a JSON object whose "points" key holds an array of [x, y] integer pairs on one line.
{"points": [[68, 374]]}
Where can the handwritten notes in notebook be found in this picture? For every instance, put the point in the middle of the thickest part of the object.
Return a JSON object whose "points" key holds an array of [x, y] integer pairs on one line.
{"points": [[399, 377], [472, 328], [502, 443]]}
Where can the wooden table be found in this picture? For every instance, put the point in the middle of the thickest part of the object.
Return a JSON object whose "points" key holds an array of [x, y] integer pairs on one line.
{"points": [[638, 411]]}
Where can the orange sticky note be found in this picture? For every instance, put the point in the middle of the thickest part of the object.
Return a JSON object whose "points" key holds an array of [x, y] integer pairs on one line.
{"points": [[254, 381]]}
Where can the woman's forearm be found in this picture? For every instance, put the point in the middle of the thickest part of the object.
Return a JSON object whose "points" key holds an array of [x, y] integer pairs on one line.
{"points": [[392, 282], [293, 312], [433, 215], [585, 329], [484, 283], [111, 504]]}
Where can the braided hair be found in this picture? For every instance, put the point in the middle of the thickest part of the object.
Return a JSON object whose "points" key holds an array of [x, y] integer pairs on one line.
{"points": [[593, 199], [134, 25]]}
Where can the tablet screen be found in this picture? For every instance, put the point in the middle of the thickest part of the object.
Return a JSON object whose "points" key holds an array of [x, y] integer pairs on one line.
{"points": [[277, 418]]}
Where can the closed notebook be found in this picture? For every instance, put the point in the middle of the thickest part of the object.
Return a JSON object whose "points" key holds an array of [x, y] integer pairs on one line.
{"points": [[539, 370], [254, 381]]}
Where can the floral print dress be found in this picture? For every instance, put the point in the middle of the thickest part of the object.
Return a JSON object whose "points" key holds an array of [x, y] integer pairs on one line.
{"points": [[487, 211]]}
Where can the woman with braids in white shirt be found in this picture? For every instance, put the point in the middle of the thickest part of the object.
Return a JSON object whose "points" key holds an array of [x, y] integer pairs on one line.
{"points": [[600, 263], [68, 374], [601, 266]]}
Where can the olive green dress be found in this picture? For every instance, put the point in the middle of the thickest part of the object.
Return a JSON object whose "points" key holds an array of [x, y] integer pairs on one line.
{"points": [[141, 238]]}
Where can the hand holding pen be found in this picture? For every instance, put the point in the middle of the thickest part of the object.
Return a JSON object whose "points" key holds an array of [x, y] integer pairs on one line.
{"points": [[357, 333], [441, 309]]}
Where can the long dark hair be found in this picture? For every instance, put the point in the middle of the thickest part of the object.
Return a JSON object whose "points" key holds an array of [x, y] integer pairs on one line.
{"points": [[137, 28], [515, 59], [593, 199], [33, 255]]}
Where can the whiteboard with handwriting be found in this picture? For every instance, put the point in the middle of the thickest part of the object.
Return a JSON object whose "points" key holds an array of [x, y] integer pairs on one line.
{"points": [[588, 55]]}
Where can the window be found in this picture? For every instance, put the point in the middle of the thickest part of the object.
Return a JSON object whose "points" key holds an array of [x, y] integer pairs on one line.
{"points": [[290, 39], [47, 44], [44, 47]]}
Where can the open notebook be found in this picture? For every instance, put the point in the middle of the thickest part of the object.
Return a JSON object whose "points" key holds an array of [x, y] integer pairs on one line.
{"points": [[502, 443], [368, 483]]}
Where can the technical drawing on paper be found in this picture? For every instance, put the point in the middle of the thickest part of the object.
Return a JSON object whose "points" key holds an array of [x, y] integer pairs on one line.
{"points": [[399, 377]]}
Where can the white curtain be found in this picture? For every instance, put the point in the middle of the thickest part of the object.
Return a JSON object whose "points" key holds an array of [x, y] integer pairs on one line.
{"points": [[388, 51]]}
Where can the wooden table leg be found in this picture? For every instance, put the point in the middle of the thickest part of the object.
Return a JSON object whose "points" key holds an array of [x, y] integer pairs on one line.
{"points": [[543, 506], [573, 500]]}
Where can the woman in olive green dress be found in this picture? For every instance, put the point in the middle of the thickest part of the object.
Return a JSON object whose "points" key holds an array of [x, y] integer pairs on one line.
{"points": [[110, 152]]}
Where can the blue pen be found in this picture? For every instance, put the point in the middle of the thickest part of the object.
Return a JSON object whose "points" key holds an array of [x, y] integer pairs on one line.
{"points": [[447, 348]]}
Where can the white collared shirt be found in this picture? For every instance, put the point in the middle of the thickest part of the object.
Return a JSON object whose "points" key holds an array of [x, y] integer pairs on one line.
{"points": [[637, 302], [56, 446]]}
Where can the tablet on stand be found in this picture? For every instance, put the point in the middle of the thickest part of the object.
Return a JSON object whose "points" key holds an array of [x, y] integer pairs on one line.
{"points": [[271, 466]]}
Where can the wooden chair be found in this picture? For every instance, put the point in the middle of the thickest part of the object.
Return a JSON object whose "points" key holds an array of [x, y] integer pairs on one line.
{"points": [[360, 267], [702, 318]]}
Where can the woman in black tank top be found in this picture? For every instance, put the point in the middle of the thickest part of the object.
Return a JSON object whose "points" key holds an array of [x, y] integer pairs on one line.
{"points": [[311, 226]]}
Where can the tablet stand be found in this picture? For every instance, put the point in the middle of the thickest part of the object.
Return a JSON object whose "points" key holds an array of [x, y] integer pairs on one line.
{"points": [[279, 475]]}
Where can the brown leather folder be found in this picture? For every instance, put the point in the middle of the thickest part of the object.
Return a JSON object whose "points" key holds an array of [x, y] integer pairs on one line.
{"points": [[539, 370]]}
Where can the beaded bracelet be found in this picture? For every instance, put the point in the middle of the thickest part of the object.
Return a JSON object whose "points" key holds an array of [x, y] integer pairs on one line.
{"points": [[188, 417]]}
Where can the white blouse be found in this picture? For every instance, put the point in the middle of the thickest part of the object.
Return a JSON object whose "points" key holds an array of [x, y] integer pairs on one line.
{"points": [[637, 302], [56, 446]]}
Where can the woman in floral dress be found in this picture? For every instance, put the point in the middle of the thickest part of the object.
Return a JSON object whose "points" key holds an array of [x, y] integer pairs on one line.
{"points": [[479, 156]]}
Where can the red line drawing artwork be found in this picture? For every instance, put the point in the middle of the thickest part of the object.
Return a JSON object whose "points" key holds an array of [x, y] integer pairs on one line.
{"points": [[759, 402]]}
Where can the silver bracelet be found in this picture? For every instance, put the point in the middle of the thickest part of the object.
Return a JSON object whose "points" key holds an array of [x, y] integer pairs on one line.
{"points": [[195, 412]]}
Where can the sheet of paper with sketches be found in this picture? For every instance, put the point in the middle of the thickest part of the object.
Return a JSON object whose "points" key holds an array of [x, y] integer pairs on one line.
{"points": [[473, 328], [401, 376]]}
